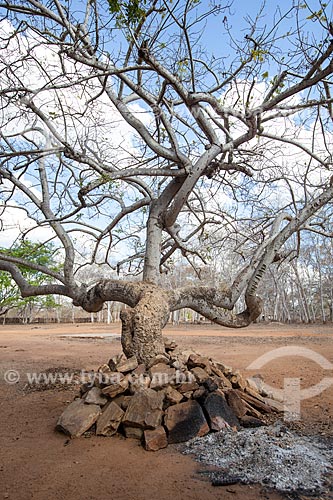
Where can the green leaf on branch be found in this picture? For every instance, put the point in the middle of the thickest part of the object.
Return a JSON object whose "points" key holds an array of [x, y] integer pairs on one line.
{"points": [[258, 54], [319, 15], [128, 13], [35, 253]]}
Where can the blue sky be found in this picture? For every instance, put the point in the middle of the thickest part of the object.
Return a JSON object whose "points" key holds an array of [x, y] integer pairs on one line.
{"points": [[242, 9]]}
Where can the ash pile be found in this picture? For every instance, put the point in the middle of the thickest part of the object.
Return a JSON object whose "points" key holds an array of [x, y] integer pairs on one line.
{"points": [[272, 456], [179, 396]]}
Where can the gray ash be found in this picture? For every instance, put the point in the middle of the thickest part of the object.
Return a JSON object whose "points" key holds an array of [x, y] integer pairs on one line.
{"points": [[272, 456]]}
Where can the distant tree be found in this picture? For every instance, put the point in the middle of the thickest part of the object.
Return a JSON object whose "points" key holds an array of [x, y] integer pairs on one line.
{"points": [[132, 128], [10, 296]]}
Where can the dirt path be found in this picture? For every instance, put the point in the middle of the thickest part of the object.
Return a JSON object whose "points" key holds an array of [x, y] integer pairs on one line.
{"points": [[38, 463]]}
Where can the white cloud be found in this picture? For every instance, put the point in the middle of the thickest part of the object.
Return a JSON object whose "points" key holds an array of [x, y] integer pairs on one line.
{"points": [[15, 222]]}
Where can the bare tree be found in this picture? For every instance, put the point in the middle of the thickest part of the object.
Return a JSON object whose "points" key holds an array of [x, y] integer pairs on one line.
{"points": [[129, 133]]}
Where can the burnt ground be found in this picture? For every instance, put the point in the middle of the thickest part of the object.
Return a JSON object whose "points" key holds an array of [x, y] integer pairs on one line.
{"points": [[38, 463]]}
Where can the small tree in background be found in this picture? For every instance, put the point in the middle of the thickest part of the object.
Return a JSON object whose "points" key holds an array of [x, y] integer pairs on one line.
{"points": [[10, 296]]}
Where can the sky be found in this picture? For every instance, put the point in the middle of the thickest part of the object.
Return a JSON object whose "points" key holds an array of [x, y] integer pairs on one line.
{"points": [[212, 35], [241, 10]]}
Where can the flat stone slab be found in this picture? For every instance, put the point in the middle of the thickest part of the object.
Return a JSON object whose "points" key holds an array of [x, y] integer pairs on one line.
{"points": [[117, 386], [78, 417], [155, 439], [127, 365], [133, 432], [236, 403], [144, 410], [161, 375], [109, 421], [172, 395], [196, 360], [185, 421], [95, 397], [200, 374]]}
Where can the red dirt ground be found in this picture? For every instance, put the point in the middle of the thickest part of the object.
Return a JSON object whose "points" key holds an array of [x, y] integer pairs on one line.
{"points": [[40, 464]]}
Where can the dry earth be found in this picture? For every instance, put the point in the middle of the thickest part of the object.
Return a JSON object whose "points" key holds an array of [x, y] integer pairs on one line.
{"points": [[40, 464]]}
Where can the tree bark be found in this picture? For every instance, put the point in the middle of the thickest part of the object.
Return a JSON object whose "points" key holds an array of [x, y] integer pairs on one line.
{"points": [[142, 326]]}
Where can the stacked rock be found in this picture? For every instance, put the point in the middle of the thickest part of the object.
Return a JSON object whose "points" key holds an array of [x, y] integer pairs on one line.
{"points": [[180, 395]]}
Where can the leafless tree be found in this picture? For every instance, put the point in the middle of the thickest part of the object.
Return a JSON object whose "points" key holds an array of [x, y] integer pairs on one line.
{"points": [[131, 131]]}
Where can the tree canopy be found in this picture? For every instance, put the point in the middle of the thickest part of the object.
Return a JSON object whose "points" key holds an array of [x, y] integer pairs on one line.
{"points": [[135, 131]]}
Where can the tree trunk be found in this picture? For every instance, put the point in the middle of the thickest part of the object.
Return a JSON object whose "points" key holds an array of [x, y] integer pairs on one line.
{"points": [[149, 308], [142, 326]]}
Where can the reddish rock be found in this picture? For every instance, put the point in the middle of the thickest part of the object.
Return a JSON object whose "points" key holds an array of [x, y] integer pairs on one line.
{"points": [[144, 410], [104, 369], [118, 385], [172, 395], [161, 375], [127, 365], [250, 410], [238, 382], [153, 419], [226, 370], [188, 395], [114, 362], [185, 421], [188, 386], [119, 400], [257, 384], [77, 418], [254, 393], [276, 406], [255, 402], [182, 356], [200, 374], [199, 393], [179, 365], [155, 439], [223, 381], [170, 345], [109, 421], [133, 432], [184, 377], [95, 397], [236, 403], [159, 358], [137, 383], [125, 402], [195, 360], [162, 368], [122, 401], [140, 370], [101, 377]]}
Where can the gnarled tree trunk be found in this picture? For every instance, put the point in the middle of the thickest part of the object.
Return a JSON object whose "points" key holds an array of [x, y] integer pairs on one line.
{"points": [[142, 326], [150, 306]]}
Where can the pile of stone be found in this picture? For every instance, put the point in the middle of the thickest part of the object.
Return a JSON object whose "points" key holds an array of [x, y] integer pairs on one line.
{"points": [[179, 396]]}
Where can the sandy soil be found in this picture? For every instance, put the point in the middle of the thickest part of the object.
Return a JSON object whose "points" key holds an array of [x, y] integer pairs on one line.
{"points": [[38, 463]]}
